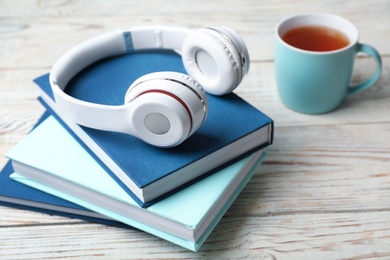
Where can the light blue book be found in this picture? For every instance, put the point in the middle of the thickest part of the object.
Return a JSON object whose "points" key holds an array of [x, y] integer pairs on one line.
{"points": [[51, 160]]}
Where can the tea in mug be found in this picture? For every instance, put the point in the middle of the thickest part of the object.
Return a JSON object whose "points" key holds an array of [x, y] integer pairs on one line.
{"points": [[315, 38]]}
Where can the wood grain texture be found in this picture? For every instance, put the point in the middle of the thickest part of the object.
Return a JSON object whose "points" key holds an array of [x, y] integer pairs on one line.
{"points": [[324, 189]]}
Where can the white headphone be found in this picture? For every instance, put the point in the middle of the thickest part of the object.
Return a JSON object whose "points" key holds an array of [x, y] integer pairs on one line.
{"points": [[161, 108]]}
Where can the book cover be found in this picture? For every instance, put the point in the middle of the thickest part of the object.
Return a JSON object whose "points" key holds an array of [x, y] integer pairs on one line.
{"points": [[16, 195], [51, 160], [233, 130]]}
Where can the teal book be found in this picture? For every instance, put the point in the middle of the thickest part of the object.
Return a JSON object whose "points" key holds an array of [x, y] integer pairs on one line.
{"points": [[16, 195], [233, 129], [51, 160]]}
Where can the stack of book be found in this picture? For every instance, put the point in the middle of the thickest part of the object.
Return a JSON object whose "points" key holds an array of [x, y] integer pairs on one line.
{"points": [[178, 194]]}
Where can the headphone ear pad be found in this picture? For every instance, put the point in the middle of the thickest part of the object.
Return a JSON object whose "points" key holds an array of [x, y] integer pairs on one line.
{"points": [[212, 60]]}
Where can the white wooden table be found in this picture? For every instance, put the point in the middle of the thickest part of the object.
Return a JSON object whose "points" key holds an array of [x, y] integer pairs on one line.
{"points": [[324, 189]]}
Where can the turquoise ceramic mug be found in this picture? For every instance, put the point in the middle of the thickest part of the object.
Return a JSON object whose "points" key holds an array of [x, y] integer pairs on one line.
{"points": [[315, 82]]}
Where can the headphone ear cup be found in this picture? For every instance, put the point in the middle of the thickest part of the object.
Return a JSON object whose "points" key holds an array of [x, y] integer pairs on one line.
{"points": [[215, 58], [159, 120], [168, 107]]}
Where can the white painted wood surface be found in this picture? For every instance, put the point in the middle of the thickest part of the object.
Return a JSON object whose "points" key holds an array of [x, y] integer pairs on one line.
{"points": [[323, 191]]}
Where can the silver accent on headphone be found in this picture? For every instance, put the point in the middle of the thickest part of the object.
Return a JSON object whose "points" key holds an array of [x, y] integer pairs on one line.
{"points": [[196, 93]]}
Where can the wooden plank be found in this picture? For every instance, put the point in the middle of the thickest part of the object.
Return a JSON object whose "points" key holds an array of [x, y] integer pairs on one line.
{"points": [[62, 24], [355, 235]]}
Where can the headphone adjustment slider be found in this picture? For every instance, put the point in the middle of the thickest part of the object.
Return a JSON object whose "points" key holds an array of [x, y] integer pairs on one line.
{"points": [[128, 42]]}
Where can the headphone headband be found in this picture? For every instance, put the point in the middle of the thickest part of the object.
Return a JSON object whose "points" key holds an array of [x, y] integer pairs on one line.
{"points": [[172, 106], [106, 45], [114, 43]]}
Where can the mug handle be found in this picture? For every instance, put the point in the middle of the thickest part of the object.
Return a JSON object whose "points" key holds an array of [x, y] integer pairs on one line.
{"points": [[374, 54]]}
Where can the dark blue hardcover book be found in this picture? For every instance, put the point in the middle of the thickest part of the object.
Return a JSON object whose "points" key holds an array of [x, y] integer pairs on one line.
{"points": [[234, 129]]}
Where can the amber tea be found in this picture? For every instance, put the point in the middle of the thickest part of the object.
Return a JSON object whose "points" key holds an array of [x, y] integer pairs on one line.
{"points": [[315, 38]]}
